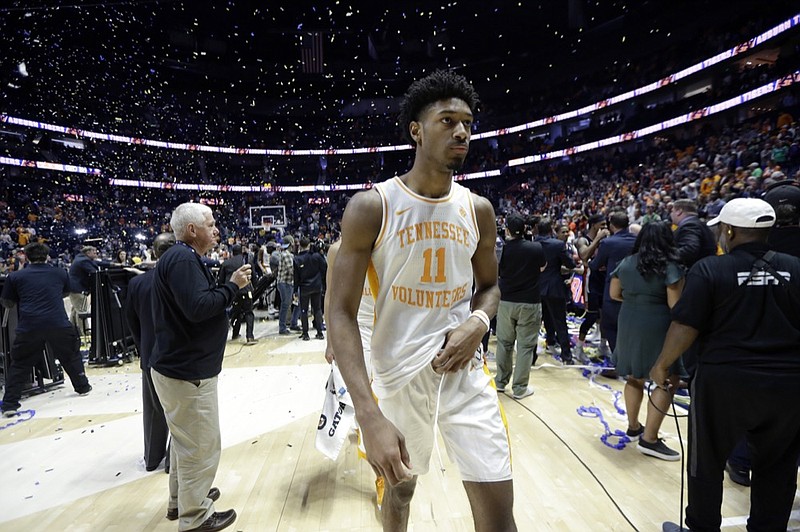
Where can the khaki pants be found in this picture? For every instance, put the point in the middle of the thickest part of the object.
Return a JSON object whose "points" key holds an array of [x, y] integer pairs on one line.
{"points": [[516, 322], [192, 413], [80, 304]]}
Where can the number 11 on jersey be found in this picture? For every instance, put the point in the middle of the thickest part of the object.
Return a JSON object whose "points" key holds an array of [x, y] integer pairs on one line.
{"points": [[440, 275]]}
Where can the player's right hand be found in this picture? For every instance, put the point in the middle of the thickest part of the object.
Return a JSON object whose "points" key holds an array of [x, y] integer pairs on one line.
{"points": [[329, 352], [386, 450]]}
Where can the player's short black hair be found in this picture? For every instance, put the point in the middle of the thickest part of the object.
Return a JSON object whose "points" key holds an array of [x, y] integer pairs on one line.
{"points": [[440, 85]]}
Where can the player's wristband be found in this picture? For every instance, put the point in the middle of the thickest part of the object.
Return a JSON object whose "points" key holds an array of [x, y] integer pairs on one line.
{"points": [[481, 315]]}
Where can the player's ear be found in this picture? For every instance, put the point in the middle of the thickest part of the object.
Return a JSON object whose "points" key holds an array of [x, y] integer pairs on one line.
{"points": [[416, 131]]}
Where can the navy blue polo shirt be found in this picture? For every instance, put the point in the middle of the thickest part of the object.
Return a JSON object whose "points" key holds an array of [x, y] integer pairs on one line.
{"points": [[190, 326], [39, 291], [80, 272]]}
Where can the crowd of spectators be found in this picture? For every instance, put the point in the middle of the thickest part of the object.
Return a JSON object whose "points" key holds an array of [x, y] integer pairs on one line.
{"points": [[642, 66], [141, 162], [203, 120], [710, 167]]}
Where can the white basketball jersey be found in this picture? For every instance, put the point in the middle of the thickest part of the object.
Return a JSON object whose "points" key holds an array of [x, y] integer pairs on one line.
{"points": [[366, 310], [421, 277], [366, 321]]}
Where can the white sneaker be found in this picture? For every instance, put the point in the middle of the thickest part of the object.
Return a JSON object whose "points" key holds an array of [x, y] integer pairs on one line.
{"points": [[658, 450], [604, 350], [594, 336], [528, 391], [553, 350]]}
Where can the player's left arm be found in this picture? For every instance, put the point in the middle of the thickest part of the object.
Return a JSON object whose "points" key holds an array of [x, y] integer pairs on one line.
{"points": [[326, 306], [484, 261], [463, 341]]}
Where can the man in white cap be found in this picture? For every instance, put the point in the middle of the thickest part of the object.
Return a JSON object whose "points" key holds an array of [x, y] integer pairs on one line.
{"points": [[784, 197], [744, 309]]}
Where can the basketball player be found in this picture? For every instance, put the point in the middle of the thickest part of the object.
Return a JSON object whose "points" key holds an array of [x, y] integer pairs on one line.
{"points": [[422, 239], [366, 319], [587, 245], [366, 311]]}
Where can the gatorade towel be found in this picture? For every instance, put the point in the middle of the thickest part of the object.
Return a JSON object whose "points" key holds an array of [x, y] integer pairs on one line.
{"points": [[337, 416]]}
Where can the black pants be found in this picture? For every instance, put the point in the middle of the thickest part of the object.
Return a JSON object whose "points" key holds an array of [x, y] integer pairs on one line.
{"points": [[594, 300], [608, 322], [27, 352], [315, 298], [156, 433], [729, 403], [554, 314], [242, 311], [485, 339]]}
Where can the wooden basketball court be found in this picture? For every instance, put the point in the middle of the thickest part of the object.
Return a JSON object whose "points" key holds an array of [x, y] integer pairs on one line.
{"points": [[76, 465]]}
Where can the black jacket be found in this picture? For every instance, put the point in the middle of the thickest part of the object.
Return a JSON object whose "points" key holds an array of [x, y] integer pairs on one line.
{"points": [[309, 271], [80, 272], [139, 315], [609, 254], [38, 293], [555, 253], [786, 240], [228, 267], [694, 241], [189, 316]]}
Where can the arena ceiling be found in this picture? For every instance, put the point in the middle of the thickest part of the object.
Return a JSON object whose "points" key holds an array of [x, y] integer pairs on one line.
{"points": [[110, 65]]}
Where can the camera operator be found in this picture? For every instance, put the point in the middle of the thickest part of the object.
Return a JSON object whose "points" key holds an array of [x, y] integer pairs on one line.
{"points": [[38, 291], [743, 307], [243, 302]]}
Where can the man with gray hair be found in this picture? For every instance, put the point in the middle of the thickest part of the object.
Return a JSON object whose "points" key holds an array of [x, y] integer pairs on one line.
{"points": [[190, 329], [80, 272], [693, 239], [37, 292]]}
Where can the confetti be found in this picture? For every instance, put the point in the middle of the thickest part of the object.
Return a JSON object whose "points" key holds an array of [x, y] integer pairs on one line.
{"points": [[294, 76]]}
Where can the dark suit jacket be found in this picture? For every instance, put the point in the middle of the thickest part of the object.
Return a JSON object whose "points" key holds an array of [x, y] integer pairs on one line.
{"points": [[230, 266], [309, 272], [139, 315], [694, 241], [609, 254], [555, 252], [80, 272]]}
